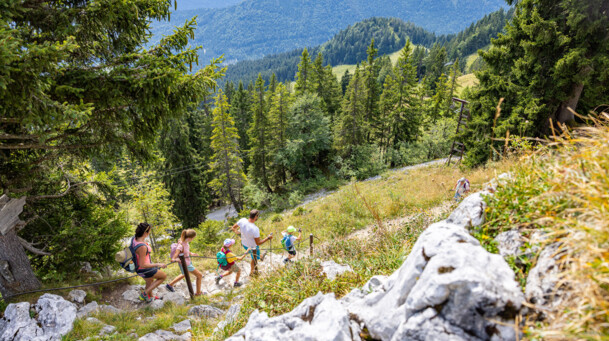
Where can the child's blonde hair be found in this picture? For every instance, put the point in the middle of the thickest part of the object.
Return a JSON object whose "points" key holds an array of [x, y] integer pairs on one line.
{"points": [[188, 233]]}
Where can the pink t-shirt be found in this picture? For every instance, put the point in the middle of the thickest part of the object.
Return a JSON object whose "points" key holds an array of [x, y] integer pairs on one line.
{"points": [[148, 252], [184, 248]]}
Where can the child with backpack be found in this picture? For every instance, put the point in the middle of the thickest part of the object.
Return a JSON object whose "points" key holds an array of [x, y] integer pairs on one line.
{"points": [[288, 242], [226, 261], [461, 188], [183, 246]]}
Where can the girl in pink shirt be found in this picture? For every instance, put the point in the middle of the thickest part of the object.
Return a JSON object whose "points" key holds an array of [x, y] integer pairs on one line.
{"points": [[184, 247]]}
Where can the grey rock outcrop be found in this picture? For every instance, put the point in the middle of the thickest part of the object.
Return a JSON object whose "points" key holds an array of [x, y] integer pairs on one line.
{"points": [[17, 324], [470, 212], [55, 315], [205, 311], [55, 319], [543, 277], [509, 243], [182, 327], [163, 335], [230, 317], [332, 269]]}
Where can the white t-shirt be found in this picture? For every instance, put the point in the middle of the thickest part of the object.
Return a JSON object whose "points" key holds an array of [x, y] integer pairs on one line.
{"points": [[249, 231], [291, 237]]}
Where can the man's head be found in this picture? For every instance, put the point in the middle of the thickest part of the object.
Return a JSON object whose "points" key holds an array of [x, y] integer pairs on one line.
{"points": [[254, 214]]}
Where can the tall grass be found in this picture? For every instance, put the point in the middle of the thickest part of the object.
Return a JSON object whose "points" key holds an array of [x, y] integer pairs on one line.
{"points": [[563, 190]]}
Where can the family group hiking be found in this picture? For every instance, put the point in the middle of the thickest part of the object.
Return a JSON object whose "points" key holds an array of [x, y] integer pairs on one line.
{"points": [[137, 256]]}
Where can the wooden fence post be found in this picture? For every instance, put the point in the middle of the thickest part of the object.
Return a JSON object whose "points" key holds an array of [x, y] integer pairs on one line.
{"points": [[311, 243], [187, 275]]}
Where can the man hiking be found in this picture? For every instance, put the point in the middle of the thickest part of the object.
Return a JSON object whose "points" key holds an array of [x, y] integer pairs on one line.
{"points": [[250, 237]]}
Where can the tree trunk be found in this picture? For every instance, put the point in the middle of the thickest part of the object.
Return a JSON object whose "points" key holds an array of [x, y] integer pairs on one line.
{"points": [[564, 114], [16, 273]]}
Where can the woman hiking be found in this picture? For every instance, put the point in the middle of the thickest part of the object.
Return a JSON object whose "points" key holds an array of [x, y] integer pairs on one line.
{"points": [[145, 268]]}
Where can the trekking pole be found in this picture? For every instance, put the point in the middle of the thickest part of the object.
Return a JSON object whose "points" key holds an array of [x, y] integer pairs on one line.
{"points": [[186, 275]]}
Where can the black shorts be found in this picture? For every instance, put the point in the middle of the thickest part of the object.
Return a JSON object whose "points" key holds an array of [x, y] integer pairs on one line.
{"points": [[292, 252], [147, 273]]}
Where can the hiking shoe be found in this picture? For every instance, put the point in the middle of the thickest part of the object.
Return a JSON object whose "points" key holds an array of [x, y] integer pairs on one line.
{"points": [[286, 261], [237, 284], [170, 288], [218, 278], [145, 298]]}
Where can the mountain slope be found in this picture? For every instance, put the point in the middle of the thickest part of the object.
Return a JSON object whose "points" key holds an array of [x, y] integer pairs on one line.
{"points": [[389, 34], [255, 28]]}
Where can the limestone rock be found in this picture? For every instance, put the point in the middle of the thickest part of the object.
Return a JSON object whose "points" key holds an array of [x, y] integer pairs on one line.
{"points": [[509, 243], [231, 315], [78, 296], [182, 327], [157, 304], [107, 330], [109, 309], [17, 324], [542, 279], [470, 212], [94, 320], [88, 309], [175, 297], [205, 311], [55, 315], [374, 284], [332, 269], [163, 335], [132, 295]]}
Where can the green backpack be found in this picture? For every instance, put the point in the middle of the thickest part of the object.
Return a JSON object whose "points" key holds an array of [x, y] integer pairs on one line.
{"points": [[221, 257]]}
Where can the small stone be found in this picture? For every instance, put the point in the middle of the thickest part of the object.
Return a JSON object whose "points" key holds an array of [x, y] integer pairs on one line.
{"points": [[182, 326], [93, 320], [78, 296], [205, 311], [157, 304], [132, 295], [88, 309], [107, 330], [175, 297], [109, 309]]}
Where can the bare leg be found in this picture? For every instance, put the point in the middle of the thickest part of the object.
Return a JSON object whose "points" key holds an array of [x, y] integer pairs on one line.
{"points": [[176, 280], [156, 280], [238, 274], [199, 276]]}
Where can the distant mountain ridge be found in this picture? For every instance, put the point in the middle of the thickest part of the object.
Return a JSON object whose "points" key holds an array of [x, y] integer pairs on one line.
{"points": [[390, 34], [255, 28]]}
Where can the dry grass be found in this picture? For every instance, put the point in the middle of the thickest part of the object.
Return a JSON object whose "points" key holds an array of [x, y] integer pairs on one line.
{"points": [[563, 189]]}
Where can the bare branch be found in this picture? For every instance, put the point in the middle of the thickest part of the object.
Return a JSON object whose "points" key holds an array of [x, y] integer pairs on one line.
{"points": [[17, 137], [28, 246]]}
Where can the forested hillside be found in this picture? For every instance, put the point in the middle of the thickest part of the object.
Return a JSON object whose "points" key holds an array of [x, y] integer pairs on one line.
{"points": [[256, 28], [349, 45], [195, 4]]}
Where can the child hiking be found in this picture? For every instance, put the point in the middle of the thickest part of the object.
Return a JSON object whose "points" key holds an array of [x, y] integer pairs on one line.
{"points": [[143, 264], [461, 188], [289, 241], [183, 246], [226, 262], [250, 237]]}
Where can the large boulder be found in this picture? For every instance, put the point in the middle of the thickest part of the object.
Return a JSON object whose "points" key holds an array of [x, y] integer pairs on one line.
{"points": [[17, 325], [318, 318], [77, 296], [55, 315]]}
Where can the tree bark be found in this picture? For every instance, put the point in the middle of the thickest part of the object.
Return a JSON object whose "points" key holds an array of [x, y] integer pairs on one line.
{"points": [[16, 273], [564, 114]]}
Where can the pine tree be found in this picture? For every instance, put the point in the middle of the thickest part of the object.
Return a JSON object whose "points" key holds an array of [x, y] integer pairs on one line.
{"points": [[344, 81], [188, 187], [434, 65], [552, 57], [226, 165], [371, 89], [350, 129], [439, 103], [454, 74], [400, 103], [241, 111], [303, 77], [325, 85], [279, 121], [259, 136]]}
